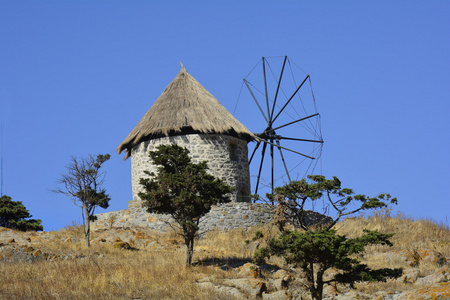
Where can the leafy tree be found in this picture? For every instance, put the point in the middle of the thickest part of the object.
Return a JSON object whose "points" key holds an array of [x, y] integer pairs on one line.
{"points": [[318, 248], [83, 182], [13, 214], [183, 190]]}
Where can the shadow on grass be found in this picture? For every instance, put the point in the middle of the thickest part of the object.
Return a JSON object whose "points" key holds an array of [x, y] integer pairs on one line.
{"points": [[228, 263]]}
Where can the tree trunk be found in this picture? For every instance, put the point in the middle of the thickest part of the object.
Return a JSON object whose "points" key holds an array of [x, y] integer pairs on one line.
{"points": [[319, 282], [316, 292], [189, 251], [87, 226]]}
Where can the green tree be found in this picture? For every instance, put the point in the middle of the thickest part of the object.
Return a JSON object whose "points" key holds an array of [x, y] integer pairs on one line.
{"points": [[183, 190], [83, 182], [318, 248], [13, 214]]}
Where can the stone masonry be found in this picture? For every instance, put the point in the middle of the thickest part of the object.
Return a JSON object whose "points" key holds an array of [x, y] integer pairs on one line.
{"points": [[227, 159], [227, 216]]}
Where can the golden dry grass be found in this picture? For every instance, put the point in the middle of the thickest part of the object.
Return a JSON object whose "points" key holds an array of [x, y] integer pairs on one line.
{"points": [[120, 274], [410, 233], [232, 243], [148, 274]]}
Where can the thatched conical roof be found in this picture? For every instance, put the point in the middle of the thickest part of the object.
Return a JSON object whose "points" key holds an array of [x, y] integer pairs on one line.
{"points": [[184, 107]]}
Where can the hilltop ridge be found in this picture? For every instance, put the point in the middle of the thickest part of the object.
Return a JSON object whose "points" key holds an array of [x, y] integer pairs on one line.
{"points": [[137, 263]]}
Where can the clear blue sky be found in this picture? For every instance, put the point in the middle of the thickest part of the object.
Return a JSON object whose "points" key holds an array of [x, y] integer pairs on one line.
{"points": [[76, 77]]}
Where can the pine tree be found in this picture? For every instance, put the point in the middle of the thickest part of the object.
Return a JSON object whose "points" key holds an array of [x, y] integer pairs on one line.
{"points": [[13, 214], [182, 189], [317, 247]]}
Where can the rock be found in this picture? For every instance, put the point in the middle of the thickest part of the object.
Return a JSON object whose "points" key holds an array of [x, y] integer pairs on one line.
{"points": [[272, 268], [207, 278], [225, 290], [249, 270], [10, 254], [413, 258], [279, 295], [432, 256], [350, 295], [330, 290], [330, 274], [230, 291], [206, 285], [383, 295], [440, 275], [252, 286], [283, 274], [122, 245], [437, 291], [409, 257], [283, 278], [409, 275], [280, 284], [28, 249]]}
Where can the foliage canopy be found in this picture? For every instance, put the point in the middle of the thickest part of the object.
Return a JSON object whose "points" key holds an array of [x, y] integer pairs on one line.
{"points": [[318, 248], [182, 189], [13, 214]]}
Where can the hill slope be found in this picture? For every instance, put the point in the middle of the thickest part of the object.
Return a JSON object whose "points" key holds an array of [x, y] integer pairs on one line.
{"points": [[134, 263]]}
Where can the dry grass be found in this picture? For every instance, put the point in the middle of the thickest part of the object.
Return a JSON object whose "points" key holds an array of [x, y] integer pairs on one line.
{"points": [[232, 243], [410, 234], [389, 286], [148, 274], [119, 275]]}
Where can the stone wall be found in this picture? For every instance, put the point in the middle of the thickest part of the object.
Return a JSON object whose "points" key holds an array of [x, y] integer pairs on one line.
{"points": [[227, 159], [225, 217]]}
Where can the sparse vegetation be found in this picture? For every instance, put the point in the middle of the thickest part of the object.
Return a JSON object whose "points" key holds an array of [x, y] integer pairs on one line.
{"points": [[153, 273], [112, 220], [83, 182]]}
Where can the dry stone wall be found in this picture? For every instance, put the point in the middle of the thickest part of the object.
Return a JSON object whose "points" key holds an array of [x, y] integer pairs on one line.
{"points": [[224, 217], [227, 159]]}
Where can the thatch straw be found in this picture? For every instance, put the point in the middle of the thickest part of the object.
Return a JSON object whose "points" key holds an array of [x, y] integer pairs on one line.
{"points": [[185, 106]]}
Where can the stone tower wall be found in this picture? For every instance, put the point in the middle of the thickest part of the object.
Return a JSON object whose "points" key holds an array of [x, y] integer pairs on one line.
{"points": [[227, 159]]}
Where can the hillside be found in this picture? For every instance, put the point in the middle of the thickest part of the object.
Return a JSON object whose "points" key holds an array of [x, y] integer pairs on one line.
{"points": [[133, 263]]}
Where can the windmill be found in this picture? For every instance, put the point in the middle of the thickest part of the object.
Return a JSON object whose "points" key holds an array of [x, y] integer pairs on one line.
{"points": [[286, 122]]}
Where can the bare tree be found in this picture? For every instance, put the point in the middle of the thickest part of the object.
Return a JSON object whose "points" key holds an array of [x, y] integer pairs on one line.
{"points": [[83, 182]]}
